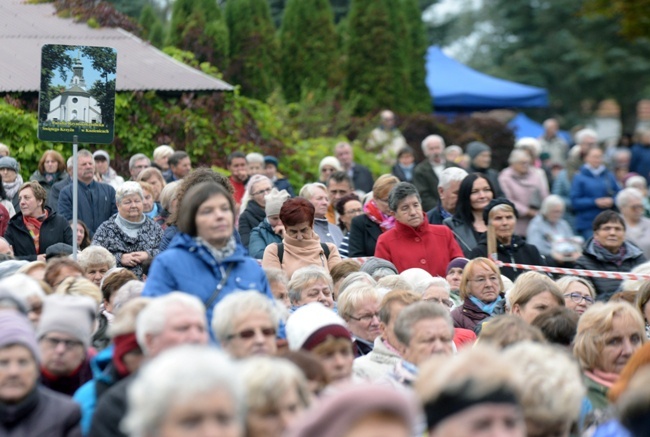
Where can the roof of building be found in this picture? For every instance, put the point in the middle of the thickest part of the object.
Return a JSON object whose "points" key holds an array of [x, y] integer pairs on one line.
{"points": [[25, 28]]}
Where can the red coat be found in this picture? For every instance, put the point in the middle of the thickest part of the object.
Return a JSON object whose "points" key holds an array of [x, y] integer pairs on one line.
{"points": [[428, 247]]}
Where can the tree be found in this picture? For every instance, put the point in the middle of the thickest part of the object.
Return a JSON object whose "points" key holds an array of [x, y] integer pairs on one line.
{"points": [[198, 26], [54, 58], [373, 77], [633, 16], [253, 47], [308, 51], [104, 60], [151, 24], [420, 97]]}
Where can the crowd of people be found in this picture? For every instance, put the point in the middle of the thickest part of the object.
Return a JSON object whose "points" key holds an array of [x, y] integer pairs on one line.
{"points": [[214, 305]]}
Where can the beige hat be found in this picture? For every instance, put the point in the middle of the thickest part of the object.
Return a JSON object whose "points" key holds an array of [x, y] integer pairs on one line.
{"points": [[274, 201]]}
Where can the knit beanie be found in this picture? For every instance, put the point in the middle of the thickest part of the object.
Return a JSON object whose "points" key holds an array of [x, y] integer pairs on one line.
{"points": [[10, 163], [274, 201], [336, 414], [496, 202], [15, 328], [103, 154], [475, 148], [373, 264], [456, 263], [72, 315], [311, 324], [11, 266], [331, 161], [268, 159]]}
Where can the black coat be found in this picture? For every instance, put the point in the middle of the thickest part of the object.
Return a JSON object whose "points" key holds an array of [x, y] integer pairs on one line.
{"points": [[111, 409], [42, 413], [362, 178], [363, 237], [435, 216], [518, 252], [592, 260], [55, 229], [53, 195], [426, 181], [252, 216]]}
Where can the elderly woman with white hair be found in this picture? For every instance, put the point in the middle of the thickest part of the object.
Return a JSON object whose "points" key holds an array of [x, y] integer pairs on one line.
{"points": [[522, 185], [96, 261], [186, 390], [245, 323], [629, 202], [359, 306], [640, 184], [277, 393], [129, 235], [551, 234], [252, 205], [311, 284]]}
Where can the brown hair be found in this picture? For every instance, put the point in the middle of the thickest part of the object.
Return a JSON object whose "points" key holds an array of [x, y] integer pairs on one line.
{"points": [[61, 167], [343, 269], [197, 177], [146, 186], [405, 297], [192, 201], [148, 173], [504, 330], [297, 210], [55, 266], [383, 185], [114, 280], [37, 189]]}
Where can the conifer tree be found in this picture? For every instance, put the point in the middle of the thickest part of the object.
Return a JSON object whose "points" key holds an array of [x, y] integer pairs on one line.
{"points": [[151, 24], [308, 49], [198, 26], [253, 47], [420, 97]]}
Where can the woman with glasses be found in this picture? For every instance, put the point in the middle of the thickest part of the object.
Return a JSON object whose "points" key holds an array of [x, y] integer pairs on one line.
{"points": [[252, 206], [579, 293], [375, 220], [359, 306], [300, 246], [480, 289], [327, 166], [608, 251], [204, 258]]}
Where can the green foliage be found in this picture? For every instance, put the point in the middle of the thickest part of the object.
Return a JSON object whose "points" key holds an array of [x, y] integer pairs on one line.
{"points": [[149, 22], [253, 47], [420, 98], [308, 52], [633, 16], [199, 27]]}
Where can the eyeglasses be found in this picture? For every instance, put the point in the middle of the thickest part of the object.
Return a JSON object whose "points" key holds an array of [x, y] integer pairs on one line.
{"points": [[354, 211], [54, 342], [267, 191], [247, 334], [482, 281], [577, 298], [367, 318], [446, 302]]}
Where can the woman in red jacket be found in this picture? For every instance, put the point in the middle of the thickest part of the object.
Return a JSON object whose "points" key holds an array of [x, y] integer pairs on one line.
{"points": [[413, 242]]}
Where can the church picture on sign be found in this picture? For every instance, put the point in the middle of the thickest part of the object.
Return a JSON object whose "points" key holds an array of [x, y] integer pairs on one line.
{"points": [[77, 97]]}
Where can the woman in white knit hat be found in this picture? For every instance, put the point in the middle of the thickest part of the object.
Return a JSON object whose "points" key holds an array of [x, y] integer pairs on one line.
{"points": [[271, 229]]}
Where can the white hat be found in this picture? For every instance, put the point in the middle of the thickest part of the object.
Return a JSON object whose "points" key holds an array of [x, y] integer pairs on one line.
{"points": [[311, 324]]}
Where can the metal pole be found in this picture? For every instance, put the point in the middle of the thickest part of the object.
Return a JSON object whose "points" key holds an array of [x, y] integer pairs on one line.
{"points": [[75, 194]]}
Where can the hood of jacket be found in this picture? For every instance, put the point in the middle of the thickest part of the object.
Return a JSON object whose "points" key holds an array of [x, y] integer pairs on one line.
{"points": [[99, 364], [631, 251], [516, 242]]}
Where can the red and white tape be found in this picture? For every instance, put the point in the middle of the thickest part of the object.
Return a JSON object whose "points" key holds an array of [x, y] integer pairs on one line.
{"points": [[577, 272]]}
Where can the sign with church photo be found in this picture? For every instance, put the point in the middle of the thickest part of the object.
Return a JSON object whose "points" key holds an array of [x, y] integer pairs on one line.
{"points": [[77, 94]]}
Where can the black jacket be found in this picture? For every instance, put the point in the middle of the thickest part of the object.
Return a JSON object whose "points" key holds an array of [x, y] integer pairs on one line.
{"points": [[464, 234], [363, 237], [111, 409], [435, 216], [362, 178], [492, 175], [592, 260], [55, 229], [399, 173], [252, 216], [42, 413], [517, 252], [53, 194], [426, 181]]}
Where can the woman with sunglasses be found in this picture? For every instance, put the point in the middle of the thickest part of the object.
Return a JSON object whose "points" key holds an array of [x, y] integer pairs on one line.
{"points": [[252, 206], [579, 293]]}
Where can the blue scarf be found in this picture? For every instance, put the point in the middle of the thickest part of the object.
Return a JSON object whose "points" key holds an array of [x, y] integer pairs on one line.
{"points": [[485, 307]]}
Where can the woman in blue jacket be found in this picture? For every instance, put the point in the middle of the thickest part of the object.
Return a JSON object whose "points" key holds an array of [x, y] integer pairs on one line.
{"points": [[592, 191], [204, 259]]}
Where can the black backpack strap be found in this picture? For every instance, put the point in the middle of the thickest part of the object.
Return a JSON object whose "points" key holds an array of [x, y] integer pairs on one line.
{"points": [[326, 250], [280, 251]]}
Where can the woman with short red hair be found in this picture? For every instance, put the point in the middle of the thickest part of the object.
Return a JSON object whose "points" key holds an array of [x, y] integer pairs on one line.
{"points": [[300, 246]]}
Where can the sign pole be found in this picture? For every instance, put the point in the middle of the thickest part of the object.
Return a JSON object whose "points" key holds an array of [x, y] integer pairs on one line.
{"points": [[75, 194]]}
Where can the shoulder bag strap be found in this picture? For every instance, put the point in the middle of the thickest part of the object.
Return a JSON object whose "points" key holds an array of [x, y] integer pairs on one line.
{"points": [[217, 290]]}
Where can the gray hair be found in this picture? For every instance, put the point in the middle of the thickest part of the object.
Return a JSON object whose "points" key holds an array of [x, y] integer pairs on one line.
{"points": [[353, 296], [161, 152], [127, 189], [449, 175], [308, 190], [152, 319], [240, 304], [583, 134], [176, 377], [127, 292], [96, 256], [529, 143], [400, 192], [306, 276], [248, 194], [255, 157], [565, 281], [356, 278], [70, 162], [430, 138], [168, 194], [392, 283], [633, 285], [416, 312], [138, 157], [435, 281], [517, 155], [637, 182], [626, 195], [274, 275], [23, 286], [549, 202], [267, 380]]}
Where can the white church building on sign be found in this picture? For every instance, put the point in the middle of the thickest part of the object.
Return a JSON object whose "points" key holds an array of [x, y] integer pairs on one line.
{"points": [[75, 103]]}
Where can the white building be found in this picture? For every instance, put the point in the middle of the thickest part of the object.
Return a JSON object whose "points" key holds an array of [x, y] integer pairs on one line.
{"points": [[75, 103]]}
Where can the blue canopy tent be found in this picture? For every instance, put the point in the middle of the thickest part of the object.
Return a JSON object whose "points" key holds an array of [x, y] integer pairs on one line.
{"points": [[455, 87], [522, 126]]}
